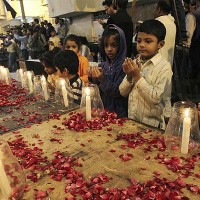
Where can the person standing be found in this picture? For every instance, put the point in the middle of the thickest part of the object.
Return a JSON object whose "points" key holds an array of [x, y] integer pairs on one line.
{"points": [[162, 14], [122, 19], [23, 43], [54, 40], [109, 9]]}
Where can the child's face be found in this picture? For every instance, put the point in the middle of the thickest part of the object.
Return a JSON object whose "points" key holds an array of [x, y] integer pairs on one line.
{"points": [[148, 45], [62, 74], [71, 45], [49, 70], [111, 47]]}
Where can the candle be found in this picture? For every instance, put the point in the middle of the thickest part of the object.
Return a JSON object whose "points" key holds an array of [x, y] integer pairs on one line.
{"points": [[4, 182], [88, 104], [21, 73], [186, 132], [5, 73], [30, 82], [44, 88], [64, 93]]}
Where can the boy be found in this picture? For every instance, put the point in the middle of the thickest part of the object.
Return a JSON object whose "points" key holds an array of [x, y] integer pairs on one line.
{"points": [[148, 82], [67, 64]]}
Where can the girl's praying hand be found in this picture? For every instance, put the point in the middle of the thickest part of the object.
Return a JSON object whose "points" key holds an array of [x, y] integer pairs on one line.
{"points": [[95, 72], [131, 69]]}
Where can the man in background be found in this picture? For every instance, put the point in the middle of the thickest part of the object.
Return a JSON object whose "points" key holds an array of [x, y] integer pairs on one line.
{"points": [[109, 9]]}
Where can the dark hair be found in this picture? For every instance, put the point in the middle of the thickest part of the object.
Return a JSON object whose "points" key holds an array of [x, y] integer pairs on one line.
{"points": [[67, 59], [153, 27], [47, 59], [121, 3], [74, 38], [36, 20], [164, 5], [106, 34], [107, 3]]}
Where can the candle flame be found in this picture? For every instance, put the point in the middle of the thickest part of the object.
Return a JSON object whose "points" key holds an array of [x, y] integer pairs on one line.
{"points": [[62, 82], [187, 112]]}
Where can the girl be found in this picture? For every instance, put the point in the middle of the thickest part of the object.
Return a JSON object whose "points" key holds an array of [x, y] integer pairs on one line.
{"points": [[72, 42], [110, 74], [47, 62]]}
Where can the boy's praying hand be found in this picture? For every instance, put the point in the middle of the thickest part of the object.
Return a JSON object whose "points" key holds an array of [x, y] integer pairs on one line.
{"points": [[132, 69]]}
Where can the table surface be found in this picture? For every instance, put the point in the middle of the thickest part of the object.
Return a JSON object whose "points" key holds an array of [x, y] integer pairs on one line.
{"points": [[100, 152]]}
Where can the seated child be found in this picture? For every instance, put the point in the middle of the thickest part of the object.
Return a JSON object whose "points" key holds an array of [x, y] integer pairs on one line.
{"points": [[47, 62], [110, 73], [67, 64], [148, 79], [72, 42]]}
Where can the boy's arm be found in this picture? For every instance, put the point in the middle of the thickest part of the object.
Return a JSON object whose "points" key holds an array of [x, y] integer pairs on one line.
{"points": [[126, 86], [154, 93]]}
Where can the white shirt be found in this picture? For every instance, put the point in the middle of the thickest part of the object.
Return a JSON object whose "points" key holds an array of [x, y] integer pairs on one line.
{"points": [[146, 96], [167, 50], [190, 21]]}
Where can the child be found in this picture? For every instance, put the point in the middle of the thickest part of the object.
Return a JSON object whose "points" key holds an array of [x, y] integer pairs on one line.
{"points": [[67, 64], [72, 42], [47, 62], [111, 74], [148, 82]]}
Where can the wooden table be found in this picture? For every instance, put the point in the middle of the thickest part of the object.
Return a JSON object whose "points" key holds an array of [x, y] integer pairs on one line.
{"points": [[99, 153]]}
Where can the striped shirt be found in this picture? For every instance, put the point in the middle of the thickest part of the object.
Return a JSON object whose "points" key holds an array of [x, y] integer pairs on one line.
{"points": [[147, 96], [75, 92]]}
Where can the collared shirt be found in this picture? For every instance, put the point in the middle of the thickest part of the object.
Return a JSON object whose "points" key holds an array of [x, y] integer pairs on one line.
{"points": [[146, 96]]}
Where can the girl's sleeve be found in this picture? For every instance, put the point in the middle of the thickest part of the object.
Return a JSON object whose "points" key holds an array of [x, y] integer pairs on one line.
{"points": [[83, 68]]}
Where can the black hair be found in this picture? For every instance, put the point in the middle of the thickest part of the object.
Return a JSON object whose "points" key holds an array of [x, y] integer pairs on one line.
{"points": [[153, 27], [107, 3], [48, 56], [121, 3], [106, 34], [36, 20], [164, 5], [67, 59], [74, 38]]}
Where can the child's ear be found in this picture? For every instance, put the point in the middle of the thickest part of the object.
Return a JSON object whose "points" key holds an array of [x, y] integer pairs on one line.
{"points": [[65, 72], [161, 44]]}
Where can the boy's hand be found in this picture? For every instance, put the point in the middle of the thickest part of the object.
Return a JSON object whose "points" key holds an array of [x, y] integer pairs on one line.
{"points": [[131, 69]]}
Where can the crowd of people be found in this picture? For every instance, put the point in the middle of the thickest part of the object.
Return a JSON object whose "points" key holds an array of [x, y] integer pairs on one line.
{"points": [[135, 86]]}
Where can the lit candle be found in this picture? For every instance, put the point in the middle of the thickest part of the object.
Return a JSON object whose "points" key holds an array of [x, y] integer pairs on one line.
{"points": [[44, 88], [30, 82], [5, 73], [4, 182], [21, 73], [64, 93], [186, 132], [88, 104]]}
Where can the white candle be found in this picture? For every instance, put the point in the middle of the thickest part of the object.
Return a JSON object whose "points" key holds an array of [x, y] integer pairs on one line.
{"points": [[30, 82], [64, 93], [21, 73], [6, 74], [44, 88], [186, 132], [4, 182], [88, 104]]}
